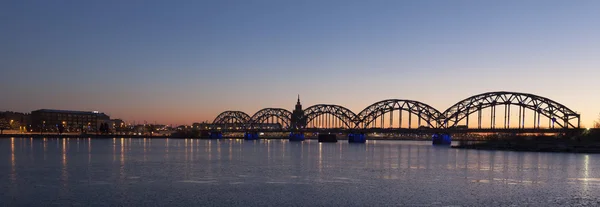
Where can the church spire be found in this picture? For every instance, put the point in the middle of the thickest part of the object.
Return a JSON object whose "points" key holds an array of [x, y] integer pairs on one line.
{"points": [[298, 98]]}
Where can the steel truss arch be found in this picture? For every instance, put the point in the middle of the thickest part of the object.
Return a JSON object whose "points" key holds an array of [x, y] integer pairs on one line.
{"points": [[238, 118], [376, 110], [541, 105], [345, 115], [266, 113]]}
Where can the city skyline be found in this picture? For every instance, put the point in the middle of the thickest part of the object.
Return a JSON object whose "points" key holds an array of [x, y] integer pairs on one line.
{"points": [[486, 115], [185, 62]]}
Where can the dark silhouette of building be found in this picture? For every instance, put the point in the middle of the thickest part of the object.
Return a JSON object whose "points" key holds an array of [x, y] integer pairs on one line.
{"points": [[23, 119], [50, 119], [298, 119], [201, 126]]}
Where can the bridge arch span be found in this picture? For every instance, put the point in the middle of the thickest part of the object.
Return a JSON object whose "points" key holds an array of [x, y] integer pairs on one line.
{"points": [[277, 115], [556, 113], [236, 118], [327, 115], [368, 116]]}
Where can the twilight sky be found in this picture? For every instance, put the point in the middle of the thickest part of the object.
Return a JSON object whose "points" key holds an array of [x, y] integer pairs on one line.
{"points": [[179, 62]]}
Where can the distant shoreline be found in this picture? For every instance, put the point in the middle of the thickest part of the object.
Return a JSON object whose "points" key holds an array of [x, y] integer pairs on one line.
{"points": [[107, 136], [535, 145], [517, 144]]}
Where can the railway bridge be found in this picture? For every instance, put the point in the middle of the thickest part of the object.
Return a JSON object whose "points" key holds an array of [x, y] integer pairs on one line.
{"points": [[491, 112]]}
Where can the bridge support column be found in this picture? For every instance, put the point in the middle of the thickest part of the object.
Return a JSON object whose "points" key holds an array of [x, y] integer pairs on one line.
{"points": [[534, 119], [508, 117], [539, 117], [467, 118], [493, 117], [409, 120], [523, 122], [479, 118]]}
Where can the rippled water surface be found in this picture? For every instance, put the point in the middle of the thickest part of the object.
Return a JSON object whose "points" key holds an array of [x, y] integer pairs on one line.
{"points": [[187, 172]]}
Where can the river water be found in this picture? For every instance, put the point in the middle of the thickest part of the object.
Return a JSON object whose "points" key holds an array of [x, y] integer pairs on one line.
{"points": [[191, 172]]}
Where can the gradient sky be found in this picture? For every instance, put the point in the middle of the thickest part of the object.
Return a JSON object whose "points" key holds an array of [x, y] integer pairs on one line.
{"points": [[179, 62]]}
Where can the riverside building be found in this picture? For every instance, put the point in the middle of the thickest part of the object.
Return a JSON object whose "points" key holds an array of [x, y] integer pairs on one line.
{"points": [[74, 121]]}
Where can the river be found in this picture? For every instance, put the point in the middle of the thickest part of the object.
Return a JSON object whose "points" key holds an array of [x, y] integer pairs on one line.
{"points": [[229, 172]]}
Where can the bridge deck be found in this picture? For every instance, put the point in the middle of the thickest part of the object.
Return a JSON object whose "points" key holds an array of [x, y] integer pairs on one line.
{"points": [[417, 131]]}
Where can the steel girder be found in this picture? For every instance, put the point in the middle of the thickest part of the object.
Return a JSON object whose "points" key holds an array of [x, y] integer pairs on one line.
{"points": [[546, 107], [348, 117], [422, 110], [266, 113]]}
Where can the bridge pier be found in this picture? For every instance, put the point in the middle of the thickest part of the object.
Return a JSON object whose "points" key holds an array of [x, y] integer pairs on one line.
{"points": [[327, 138], [296, 136], [216, 135], [251, 136], [441, 139], [357, 138]]}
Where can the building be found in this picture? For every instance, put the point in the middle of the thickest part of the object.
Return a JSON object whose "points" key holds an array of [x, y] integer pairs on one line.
{"points": [[116, 123], [201, 126], [16, 119], [298, 119], [72, 121]]}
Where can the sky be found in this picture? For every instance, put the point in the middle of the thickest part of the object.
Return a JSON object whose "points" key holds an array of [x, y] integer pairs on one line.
{"points": [[179, 62]]}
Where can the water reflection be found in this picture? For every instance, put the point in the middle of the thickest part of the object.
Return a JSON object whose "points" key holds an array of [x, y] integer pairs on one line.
{"points": [[185, 148], [230, 150], [13, 162], [114, 149], [586, 173], [89, 147], [122, 159], [45, 148], [320, 165], [191, 166], [167, 148], [208, 149], [222, 163], [64, 175], [145, 149], [219, 154]]}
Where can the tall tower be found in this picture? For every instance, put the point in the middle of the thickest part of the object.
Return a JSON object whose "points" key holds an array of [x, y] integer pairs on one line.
{"points": [[298, 119]]}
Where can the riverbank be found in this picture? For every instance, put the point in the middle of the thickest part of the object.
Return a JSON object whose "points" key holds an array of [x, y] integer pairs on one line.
{"points": [[536, 144], [94, 136], [109, 136]]}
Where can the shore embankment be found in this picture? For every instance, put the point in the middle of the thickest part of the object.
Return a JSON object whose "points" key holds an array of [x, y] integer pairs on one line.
{"points": [[110, 136], [575, 144]]}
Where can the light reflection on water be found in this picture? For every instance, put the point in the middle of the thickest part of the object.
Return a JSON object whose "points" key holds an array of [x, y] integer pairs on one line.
{"points": [[398, 172], [13, 162]]}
